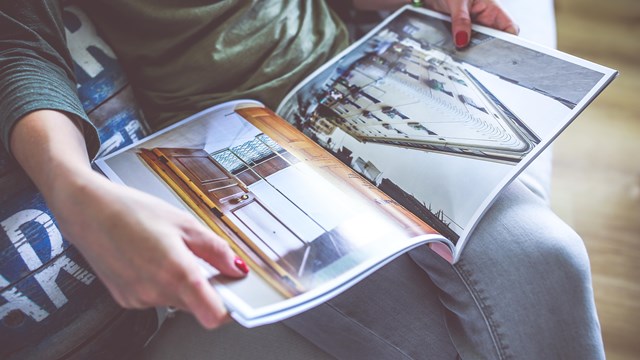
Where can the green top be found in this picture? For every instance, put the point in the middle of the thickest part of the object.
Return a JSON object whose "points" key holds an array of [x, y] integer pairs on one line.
{"points": [[181, 56]]}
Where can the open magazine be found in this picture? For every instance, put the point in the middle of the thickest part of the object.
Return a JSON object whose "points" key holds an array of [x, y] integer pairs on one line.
{"points": [[399, 141]]}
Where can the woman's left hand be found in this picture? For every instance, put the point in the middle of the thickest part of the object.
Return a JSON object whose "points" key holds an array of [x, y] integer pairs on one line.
{"points": [[463, 12]]}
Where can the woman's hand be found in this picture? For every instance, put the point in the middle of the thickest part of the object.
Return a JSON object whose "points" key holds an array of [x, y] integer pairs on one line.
{"points": [[144, 250], [463, 12]]}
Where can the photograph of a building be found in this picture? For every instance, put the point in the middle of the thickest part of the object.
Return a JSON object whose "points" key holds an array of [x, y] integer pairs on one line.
{"points": [[406, 95]]}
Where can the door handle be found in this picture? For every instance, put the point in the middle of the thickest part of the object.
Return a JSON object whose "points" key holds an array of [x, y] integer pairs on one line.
{"points": [[240, 199]]}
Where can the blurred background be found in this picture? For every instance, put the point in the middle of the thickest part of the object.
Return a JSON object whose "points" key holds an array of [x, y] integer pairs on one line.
{"points": [[596, 181]]}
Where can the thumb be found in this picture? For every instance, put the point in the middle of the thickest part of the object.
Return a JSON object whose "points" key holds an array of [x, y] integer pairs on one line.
{"points": [[210, 247], [460, 22]]}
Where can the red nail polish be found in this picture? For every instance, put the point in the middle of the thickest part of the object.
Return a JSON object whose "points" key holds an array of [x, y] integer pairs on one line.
{"points": [[462, 38], [240, 264]]}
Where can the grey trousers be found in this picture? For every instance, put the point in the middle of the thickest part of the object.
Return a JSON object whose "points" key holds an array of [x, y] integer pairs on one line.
{"points": [[522, 290]]}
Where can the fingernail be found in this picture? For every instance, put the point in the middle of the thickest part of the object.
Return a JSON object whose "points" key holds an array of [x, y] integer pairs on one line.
{"points": [[462, 39], [240, 264]]}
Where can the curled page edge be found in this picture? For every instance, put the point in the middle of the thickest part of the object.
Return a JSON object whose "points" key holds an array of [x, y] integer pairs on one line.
{"points": [[443, 250]]}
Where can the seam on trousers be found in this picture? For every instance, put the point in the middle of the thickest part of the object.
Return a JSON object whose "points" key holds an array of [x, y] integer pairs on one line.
{"points": [[482, 307], [369, 330]]}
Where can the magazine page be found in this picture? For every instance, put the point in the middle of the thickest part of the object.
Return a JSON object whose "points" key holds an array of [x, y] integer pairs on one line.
{"points": [[306, 224], [441, 130]]}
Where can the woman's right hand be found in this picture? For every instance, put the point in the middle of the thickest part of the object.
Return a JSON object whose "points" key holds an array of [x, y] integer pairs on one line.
{"points": [[143, 249], [463, 12], [484, 12]]}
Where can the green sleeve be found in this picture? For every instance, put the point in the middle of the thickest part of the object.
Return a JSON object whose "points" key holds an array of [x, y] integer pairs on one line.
{"points": [[36, 67]]}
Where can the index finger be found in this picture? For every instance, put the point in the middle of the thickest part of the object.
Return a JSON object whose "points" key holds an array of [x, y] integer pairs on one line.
{"points": [[460, 22], [205, 244]]}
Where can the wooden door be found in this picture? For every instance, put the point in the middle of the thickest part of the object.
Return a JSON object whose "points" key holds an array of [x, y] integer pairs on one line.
{"points": [[217, 187], [231, 201]]}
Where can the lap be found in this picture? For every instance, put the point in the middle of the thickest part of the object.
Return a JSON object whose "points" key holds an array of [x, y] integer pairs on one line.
{"points": [[523, 272], [522, 286], [392, 314]]}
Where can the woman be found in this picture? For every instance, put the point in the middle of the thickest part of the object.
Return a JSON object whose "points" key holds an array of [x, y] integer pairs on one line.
{"points": [[182, 58]]}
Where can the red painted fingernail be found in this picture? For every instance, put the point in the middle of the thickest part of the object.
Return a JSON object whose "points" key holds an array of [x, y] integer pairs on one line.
{"points": [[240, 264], [462, 38]]}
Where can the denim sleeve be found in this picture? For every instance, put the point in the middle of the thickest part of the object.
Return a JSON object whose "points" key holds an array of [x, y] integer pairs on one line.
{"points": [[36, 70]]}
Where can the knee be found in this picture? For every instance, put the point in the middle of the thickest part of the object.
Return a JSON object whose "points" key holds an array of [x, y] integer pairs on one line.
{"points": [[552, 251], [522, 237], [560, 252]]}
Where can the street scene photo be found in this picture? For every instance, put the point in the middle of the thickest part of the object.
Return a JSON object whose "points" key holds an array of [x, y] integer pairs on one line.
{"points": [[434, 127]]}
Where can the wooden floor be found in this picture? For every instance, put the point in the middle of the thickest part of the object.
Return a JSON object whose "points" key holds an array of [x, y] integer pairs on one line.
{"points": [[596, 184]]}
